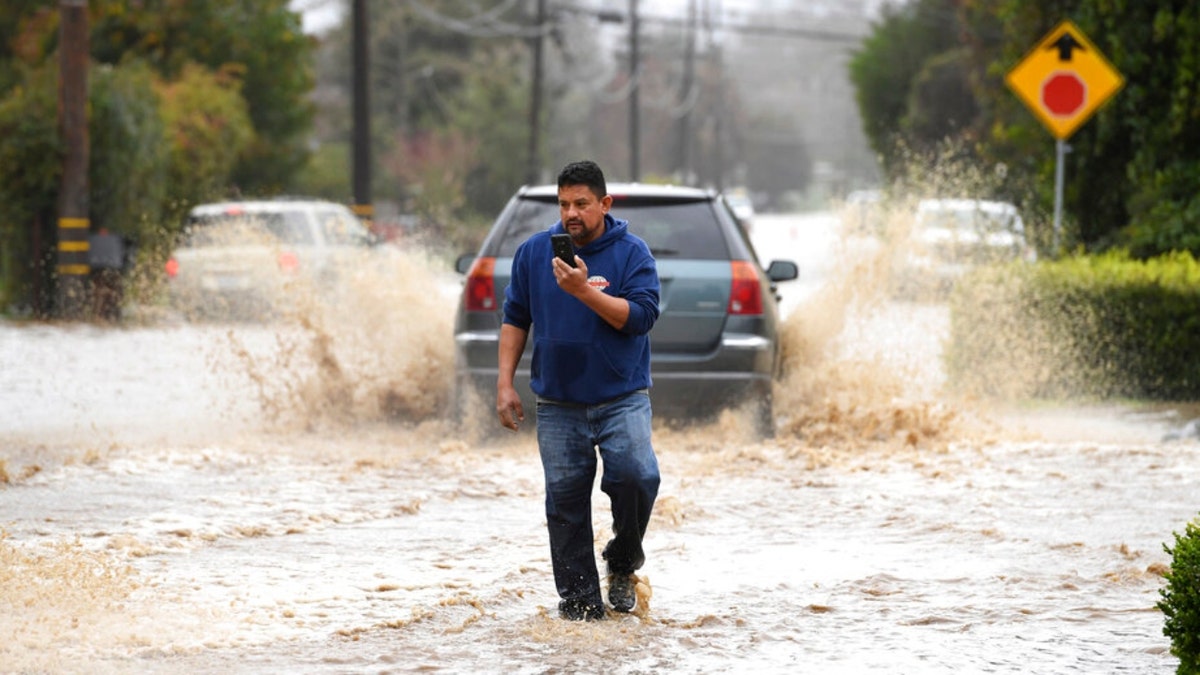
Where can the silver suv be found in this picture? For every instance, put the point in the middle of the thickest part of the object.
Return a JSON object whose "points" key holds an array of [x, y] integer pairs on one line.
{"points": [[715, 343]]}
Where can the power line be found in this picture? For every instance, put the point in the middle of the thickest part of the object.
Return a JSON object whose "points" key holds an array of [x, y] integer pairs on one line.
{"points": [[615, 16], [487, 24], [763, 29]]}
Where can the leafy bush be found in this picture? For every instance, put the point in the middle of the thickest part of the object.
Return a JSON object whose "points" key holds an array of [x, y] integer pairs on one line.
{"points": [[1094, 326], [127, 174], [1180, 602], [156, 148], [208, 129], [30, 175]]}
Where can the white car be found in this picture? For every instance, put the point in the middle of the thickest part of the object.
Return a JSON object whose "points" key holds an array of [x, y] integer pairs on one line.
{"points": [[252, 258], [863, 212], [949, 236]]}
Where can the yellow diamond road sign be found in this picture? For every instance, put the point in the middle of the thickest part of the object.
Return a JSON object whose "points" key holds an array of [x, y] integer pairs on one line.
{"points": [[1064, 79]]}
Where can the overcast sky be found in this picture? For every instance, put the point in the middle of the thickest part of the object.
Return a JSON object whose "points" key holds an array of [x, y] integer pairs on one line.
{"points": [[318, 15]]}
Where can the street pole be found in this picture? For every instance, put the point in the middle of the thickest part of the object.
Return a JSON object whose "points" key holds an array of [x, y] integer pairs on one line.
{"points": [[1060, 152], [535, 102], [73, 269], [635, 88], [362, 114], [683, 139], [719, 118]]}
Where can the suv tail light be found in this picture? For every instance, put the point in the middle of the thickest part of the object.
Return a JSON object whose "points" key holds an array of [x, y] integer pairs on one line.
{"points": [[745, 294], [480, 289]]}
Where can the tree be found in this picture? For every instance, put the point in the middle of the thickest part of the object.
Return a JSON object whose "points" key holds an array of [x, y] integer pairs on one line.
{"points": [[941, 103], [449, 83], [455, 75], [127, 177], [492, 112], [30, 171], [892, 58], [207, 127], [262, 40], [1157, 47]]}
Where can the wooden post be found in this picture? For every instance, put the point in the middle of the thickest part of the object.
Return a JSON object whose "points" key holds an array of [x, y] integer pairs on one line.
{"points": [[635, 122], [532, 168], [73, 269], [360, 47]]}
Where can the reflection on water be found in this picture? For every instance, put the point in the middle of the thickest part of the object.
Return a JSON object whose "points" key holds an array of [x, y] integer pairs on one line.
{"points": [[288, 498]]}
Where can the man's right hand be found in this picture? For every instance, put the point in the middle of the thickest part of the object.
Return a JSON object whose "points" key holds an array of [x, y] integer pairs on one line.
{"points": [[508, 407]]}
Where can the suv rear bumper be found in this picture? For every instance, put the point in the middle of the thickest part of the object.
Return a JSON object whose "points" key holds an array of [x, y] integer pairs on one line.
{"points": [[739, 370]]}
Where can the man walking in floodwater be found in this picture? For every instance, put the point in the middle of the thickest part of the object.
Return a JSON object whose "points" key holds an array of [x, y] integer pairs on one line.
{"points": [[591, 314]]}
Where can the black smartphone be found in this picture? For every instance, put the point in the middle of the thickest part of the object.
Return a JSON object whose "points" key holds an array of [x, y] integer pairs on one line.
{"points": [[564, 250]]}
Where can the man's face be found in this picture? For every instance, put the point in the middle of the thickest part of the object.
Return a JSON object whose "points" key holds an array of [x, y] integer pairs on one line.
{"points": [[582, 213]]}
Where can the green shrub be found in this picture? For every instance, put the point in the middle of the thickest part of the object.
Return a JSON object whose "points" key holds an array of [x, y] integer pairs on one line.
{"points": [[30, 176], [1180, 602], [128, 159], [208, 128], [1091, 326]]}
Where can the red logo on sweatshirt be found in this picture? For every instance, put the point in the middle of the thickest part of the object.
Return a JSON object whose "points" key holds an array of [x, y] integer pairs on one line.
{"points": [[597, 281]]}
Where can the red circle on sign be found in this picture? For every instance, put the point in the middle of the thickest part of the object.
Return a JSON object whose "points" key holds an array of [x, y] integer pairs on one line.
{"points": [[1064, 94]]}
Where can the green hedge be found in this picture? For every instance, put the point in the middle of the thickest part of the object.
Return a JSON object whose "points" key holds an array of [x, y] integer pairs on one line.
{"points": [[1085, 326]]}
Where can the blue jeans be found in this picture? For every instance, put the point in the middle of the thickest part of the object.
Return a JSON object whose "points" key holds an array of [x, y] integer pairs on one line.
{"points": [[568, 438]]}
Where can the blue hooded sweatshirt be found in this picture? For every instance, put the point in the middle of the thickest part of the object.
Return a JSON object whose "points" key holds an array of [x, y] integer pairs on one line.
{"points": [[577, 356]]}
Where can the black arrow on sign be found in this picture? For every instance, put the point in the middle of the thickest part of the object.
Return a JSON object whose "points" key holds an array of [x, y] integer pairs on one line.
{"points": [[1064, 44]]}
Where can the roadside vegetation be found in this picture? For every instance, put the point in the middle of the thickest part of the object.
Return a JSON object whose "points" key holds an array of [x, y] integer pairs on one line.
{"points": [[930, 83], [1116, 317], [1085, 326], [184, 105], [1180, 601]]}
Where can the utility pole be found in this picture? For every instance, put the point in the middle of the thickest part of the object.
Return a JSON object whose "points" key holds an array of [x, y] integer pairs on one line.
{"points": [[73, 269], [719, 108], [635, 140], [362, 115], [535, 104], [683, 140]]}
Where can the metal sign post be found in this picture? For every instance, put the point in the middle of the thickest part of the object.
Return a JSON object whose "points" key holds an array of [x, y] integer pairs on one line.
{"points": [[1060, 150]]}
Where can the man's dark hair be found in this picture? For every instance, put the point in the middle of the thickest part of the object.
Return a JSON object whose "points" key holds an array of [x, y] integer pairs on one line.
{"points": [[586, 173]]}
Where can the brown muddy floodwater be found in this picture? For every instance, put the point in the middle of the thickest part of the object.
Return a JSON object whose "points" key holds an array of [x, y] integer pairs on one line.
{"points": [[211, 498]]}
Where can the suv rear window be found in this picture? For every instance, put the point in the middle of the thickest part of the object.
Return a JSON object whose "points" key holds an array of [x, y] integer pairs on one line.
{"points": [[675, 229]]}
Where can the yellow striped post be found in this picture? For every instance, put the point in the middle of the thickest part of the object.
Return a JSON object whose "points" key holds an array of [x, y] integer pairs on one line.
{"points": [[73, 268], [73, 247]]}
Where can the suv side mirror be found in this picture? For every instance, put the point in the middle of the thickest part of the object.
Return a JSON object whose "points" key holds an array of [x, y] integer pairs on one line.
{"points": [[782, 270], [463, 264]]}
